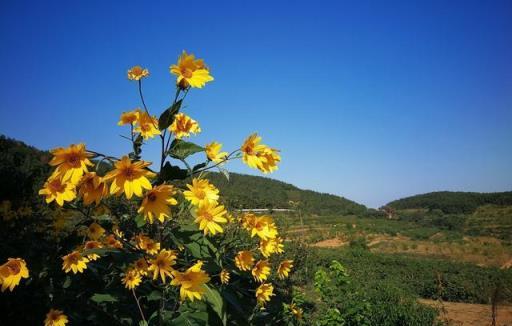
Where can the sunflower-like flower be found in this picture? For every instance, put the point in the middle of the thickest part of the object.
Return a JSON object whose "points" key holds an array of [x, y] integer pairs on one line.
{"points": [[137, 73], [112, 242], [183, 126], [213, 152], [296, 311], [12, 272], [156, 203], [141, 266], [224, 276], [95, 231], [147, 126], [74, 262], [131, 279], [259, 156], [130, 177], [284, 268], [147, 244], [261, 270], [201, 190], [264, 292], [262, 226], [92, 188], [56, 189], [129, 117], [71, 162], [92, 245], [162, 264], [55, 317], [191, 282], [244, 260], [271, 246], [190, 71], [209, 216]]}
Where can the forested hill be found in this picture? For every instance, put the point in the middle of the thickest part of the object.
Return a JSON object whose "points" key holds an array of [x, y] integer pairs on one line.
{"points": [[453, 202], [246, 191], [23, 169]]}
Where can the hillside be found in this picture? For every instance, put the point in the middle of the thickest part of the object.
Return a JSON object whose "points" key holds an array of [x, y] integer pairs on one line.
{"points": [[453, 202], [245, 191]]}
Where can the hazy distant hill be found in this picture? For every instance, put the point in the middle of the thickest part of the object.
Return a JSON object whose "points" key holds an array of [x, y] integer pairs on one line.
{"points": [[453, 202], [245, 191]]}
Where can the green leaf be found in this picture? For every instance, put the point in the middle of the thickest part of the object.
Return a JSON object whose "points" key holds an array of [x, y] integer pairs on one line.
{"points": [[154, 296], [100, 251], [167, 117], [181, 149], [170, 172], [67, 282], [214, 299], [99, 298], [224, 172], [198, 166], [140, 220], [188, 318]]}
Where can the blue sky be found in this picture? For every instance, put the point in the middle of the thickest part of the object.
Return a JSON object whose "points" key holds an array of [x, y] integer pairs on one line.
{"points": [[369, 100]]}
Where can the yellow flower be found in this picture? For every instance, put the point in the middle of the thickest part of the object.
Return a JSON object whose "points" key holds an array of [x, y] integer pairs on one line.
{"points": [[112, 242], [12, 272], [146, 243], [147, 126], [156, 203], [74, 262], [183, 126], [208, 215], [201, 191], [137, 73], [92, 245], [192, 282], [213, 152], [130, 177], [262, 226], [261, 270], [264, 292], [141, 266], [296, 311], [190, 71], [284, 268], [259, 156], [271, 246], [57, 189], [224, 276], [162, 264], [71, 162], [95, 231], [55, 318], [130, 117], [92, 188], [131, 279], [244, 260]]}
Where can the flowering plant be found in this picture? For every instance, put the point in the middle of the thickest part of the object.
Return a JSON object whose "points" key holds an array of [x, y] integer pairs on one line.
{"points": [[156, 239]]}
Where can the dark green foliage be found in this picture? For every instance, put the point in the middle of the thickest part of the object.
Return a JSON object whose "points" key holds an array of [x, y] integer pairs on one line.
{"points": [[244, 191], [453, 202]]}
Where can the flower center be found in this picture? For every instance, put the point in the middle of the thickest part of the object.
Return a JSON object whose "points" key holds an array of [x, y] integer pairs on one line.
{"points": [[152, 197], [129, 173], [74, 159]]}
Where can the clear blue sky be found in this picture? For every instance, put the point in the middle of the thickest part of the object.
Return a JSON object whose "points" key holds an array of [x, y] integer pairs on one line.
{"points": [[369, 100]]}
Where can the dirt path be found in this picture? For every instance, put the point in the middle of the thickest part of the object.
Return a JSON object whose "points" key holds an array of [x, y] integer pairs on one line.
{"points": [[467, 314], [330, 243]]}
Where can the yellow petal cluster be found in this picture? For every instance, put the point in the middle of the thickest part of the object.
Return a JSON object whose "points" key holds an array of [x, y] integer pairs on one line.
{"points": [[191, 282], [147, 126], [261, 270], [183, 126], [244, 260], [129, 177], [156, 203], [147, 244], [131, 279], [284, 268], [271, 246], [129, 117], [224, 276], [190, 71], [200, 191], [71, 162], [264, 292], [74, 262], [213, 152], [137, 73], [209, 216], [162, 264], [259, 156], [55, 318], [95, 231], [92, 188], [56, 189], [261, 226], [12, 272], [92, 245]]}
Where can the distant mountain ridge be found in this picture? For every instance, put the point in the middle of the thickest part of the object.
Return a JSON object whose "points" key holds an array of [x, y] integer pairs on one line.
{"points": [[453, 202]]}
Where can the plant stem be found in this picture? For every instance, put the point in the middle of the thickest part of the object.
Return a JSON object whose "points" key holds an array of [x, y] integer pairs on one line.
{"points": [[138, 305]]}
